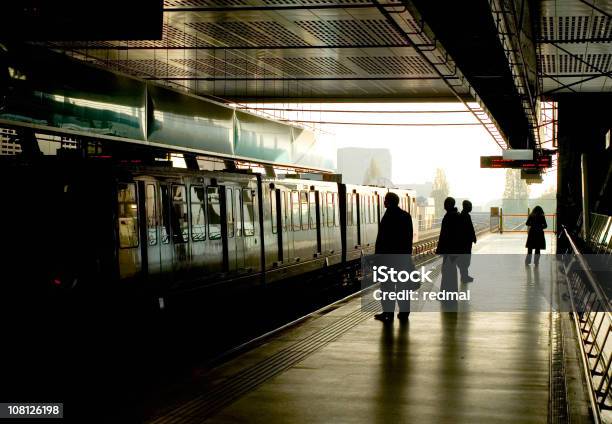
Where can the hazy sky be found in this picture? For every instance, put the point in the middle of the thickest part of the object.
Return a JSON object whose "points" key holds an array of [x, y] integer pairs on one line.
{"points": [[418, 151]]}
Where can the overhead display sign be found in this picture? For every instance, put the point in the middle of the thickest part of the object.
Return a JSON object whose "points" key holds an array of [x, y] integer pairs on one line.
{"points": [[540, 162], [518, 154]]}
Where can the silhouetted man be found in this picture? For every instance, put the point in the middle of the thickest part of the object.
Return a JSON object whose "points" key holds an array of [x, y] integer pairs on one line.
{"points": [[468, 237], [394, 238], [449, 246]]}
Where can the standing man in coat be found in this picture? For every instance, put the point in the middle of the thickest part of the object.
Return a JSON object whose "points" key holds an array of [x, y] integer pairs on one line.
{"points": [[468, 237], [395, 240], [449, 247]]}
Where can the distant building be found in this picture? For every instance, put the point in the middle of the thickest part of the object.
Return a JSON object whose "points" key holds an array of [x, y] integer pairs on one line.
{"points": [[365, 166], [423, 189]]}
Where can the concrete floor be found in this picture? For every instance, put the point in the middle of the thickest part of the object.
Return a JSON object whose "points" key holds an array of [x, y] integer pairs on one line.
{"points": [[467, 367]]}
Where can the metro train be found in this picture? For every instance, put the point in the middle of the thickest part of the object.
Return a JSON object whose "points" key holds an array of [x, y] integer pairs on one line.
{"points": [[101, 223]]}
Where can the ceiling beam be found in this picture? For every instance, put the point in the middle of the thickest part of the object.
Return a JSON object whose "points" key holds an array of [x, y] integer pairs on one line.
{"points": [[592, 6], [300, 47], [576, 41], [294, 78], [280, 8]]}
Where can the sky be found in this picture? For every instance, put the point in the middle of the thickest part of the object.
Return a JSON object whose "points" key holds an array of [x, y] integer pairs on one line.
{"points": [[418, 150]]}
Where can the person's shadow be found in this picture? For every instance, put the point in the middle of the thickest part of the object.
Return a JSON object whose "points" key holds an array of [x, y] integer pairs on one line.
{"points": [[453, 365], [395, 375], [449, 282]]}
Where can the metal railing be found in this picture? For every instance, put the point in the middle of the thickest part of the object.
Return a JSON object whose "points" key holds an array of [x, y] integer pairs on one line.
{"points": [[599, 239], [590, 309], [428, 243], [515, 222]]}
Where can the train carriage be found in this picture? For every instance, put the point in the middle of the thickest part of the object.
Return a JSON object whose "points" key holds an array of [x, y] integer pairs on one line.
{"points": [[158, 230], [408, 203]]}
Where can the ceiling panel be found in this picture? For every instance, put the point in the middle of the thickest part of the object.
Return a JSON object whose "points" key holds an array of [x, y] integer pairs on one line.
{"points": [[574, 39], [259, 48]]}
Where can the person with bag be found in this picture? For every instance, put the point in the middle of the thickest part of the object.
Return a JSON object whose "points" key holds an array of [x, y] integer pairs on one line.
{"points": [[394, 239]]}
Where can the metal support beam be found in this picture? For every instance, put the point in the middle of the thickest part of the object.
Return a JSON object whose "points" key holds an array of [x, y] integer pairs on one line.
{"points": [[385, 124], [294, 79], [578, 58], [281, 8], [581, 40], [279, 47], [592, 6], [353, 111], [571, 84], [545, 75]]}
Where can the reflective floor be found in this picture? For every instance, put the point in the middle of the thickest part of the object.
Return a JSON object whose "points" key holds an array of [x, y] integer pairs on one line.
{"points": [[343, 366]]}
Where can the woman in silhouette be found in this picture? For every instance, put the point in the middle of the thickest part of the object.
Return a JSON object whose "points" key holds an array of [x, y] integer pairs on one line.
{"points": [[535, 237]]}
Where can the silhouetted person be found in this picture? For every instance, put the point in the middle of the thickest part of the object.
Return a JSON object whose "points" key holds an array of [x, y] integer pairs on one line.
{"points": [[449, 246], [394, 238], [467, 238], [535, 237]]}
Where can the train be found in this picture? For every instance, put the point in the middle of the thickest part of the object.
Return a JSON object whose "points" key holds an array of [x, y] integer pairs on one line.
{"points": [[79, 224]]}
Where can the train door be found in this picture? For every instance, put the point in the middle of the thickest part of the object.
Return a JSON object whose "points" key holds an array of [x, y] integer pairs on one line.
{"points": [[165, 242], [230, 213], [129, 254], [323, 227], [276, 224], [179, 227], [286, 226], [214, 214], [250, 229], [239, 236], [152, 227], [314, 219]]}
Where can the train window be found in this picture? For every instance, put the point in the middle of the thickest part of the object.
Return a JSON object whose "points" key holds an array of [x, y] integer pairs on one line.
{"points": [[304, 209], [198, 217], [349, 210], [214, 213], [238, 217], [295, 211], [336, 206], [248, 212], [312, 211], [330, 209], [229, 209], [151, 208], [128, 215], [273, 212], [165, 201], [178, 218], [354, 207]]}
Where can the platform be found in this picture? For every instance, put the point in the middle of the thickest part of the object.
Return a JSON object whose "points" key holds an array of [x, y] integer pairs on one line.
{"points": [[343, 366]]}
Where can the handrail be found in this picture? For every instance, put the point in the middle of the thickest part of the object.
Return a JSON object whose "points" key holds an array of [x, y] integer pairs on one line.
{"points": [[593, 329], [590, 277]]}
